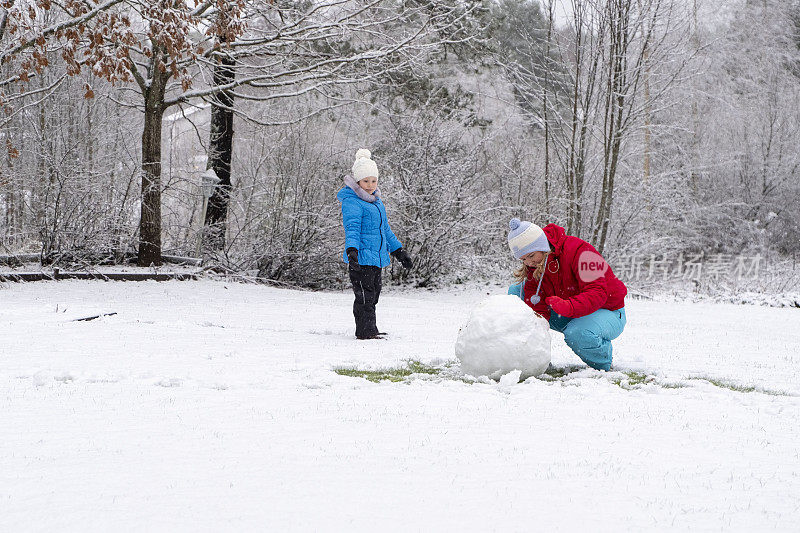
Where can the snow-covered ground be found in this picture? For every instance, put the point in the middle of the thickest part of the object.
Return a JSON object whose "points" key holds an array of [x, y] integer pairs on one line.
{"points": [[210, 406]]}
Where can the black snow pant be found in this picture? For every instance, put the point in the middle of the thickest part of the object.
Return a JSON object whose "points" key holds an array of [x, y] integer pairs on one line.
{"points": [[367, 289]]}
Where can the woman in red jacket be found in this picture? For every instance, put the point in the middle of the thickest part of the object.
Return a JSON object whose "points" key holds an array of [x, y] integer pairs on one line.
{"points": [[566, 281]]}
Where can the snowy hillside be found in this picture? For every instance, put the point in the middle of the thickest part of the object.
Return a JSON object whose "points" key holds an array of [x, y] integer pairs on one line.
{"points": [[209, 406]]}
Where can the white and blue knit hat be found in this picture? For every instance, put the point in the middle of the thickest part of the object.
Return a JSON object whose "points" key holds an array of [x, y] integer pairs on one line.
{"points": [[525, 238]]}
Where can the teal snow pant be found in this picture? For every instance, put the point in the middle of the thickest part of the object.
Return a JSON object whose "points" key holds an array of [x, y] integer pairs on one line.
{"points": [[589, 336]]}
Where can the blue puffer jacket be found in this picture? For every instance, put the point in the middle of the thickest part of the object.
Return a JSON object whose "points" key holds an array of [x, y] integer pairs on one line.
{"points": [[366, 226]]}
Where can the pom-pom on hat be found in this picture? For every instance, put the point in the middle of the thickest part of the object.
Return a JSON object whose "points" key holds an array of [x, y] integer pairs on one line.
{"points": [[364, 166], [525, 238]]}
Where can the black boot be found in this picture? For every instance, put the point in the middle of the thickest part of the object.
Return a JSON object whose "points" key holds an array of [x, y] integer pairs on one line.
{"points": [[367, 290]]}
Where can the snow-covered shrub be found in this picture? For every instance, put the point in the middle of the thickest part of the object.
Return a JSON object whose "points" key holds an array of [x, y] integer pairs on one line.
{"points": [[433, 183]]}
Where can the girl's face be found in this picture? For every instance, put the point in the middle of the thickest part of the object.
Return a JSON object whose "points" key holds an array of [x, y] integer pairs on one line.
{"points": [[369, 184], [533, 259]]}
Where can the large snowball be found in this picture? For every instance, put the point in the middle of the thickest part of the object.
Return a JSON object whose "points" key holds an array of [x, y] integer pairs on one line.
{"points": [[503, 334]]}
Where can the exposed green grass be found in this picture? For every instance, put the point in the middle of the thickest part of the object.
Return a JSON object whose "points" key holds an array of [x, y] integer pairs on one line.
{"points": [[673, 385], [376, 376], [561, 371], [394, 374], [633, 380], [737, 387]]}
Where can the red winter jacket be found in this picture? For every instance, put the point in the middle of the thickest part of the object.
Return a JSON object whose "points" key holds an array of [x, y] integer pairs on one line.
{"points": [[575, 272]]}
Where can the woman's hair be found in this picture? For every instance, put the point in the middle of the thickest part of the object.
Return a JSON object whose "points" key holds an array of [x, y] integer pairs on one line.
{"points": [[521, 274]]}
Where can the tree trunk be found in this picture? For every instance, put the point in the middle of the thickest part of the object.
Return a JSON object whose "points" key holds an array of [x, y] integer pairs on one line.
{"points": [[150, 222], [647, 134], [545, 118], [570, 175], [12, 192], [40, 195], [615, 102], [695, 113], [220, 156]]}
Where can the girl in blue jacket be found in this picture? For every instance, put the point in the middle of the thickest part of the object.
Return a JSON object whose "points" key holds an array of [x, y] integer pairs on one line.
{"points": [[369, 241]]}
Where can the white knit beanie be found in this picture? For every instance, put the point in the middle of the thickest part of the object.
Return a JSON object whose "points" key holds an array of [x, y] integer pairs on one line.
{"points": [[364, 166]]}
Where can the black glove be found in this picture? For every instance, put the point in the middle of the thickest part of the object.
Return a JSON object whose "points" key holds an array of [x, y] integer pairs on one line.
{"points": [[352, 256], [405, 259]]}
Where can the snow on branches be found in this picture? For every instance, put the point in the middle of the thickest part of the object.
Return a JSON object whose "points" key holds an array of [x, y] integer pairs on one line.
{"points": [[113, 39]]}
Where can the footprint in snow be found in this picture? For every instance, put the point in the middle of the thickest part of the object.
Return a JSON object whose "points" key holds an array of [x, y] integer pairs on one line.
{"points": [[169, 382]]}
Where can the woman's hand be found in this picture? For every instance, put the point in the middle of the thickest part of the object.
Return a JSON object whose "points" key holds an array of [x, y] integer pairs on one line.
{"points": [[352, 256], [559, 305], [405, 259]]}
